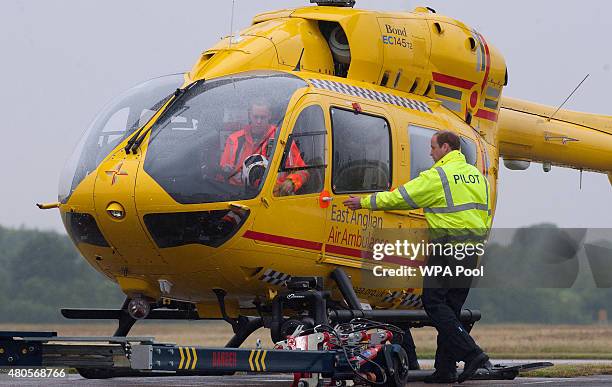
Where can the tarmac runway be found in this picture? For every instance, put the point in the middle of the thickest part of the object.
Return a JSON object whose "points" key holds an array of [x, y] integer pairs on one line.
{"points": [[278, 380]]}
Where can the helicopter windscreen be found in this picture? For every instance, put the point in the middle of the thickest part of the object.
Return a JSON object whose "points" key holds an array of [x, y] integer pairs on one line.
{"points": [[121, 117], [200, 147]]}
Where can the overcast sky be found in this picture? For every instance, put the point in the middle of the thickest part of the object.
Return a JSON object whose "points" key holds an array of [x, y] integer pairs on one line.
{"points": [[61, 61]]}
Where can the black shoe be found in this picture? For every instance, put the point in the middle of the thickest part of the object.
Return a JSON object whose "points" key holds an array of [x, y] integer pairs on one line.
{"points": [[413, 365], [441, 377], [471, 366]]}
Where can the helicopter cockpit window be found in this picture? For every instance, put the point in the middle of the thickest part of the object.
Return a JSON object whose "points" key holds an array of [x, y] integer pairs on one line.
{"points": [[468, 148], [361, 152], [420, 145], [215, 142], [304, 156], [113, 124]]}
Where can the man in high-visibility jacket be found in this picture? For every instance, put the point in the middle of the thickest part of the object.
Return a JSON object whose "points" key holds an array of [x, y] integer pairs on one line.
{"points": [[455, 198]]}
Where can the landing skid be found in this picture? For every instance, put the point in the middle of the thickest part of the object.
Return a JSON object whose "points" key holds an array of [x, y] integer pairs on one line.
{"points": [[497, 372], [311, 332]]}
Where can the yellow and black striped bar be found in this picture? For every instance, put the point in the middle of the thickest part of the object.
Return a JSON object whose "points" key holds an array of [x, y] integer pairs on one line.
{"points": [[189, 358], [180, 358]]}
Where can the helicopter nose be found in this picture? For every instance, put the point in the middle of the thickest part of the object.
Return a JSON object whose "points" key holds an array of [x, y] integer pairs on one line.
{"points": [[116, 211]]}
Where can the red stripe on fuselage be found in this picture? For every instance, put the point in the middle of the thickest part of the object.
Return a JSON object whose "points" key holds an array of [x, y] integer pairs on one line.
{"points": [[453, 81], [487, 115], [332, 249], [281, 240], [488, 64], [363, 254]]}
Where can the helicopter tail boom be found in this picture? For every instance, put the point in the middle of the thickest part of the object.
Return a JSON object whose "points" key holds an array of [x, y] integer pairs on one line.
{"points": [[534, 132]]}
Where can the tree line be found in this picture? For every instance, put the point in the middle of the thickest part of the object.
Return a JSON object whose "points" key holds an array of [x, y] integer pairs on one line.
{"points": [[41, 272]]}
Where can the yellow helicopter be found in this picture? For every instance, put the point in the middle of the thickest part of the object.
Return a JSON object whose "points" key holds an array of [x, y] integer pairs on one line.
{"points": [[161, 196]]}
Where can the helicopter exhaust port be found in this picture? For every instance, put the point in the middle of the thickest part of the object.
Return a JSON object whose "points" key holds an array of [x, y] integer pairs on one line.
{"points": [[338, 45]]}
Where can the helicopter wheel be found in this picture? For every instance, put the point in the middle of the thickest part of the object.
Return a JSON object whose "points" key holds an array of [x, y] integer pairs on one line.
{"points": [[394, 361]]}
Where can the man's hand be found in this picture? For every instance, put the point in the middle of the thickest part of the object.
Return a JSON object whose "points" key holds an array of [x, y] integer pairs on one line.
{"points": [[286, 188], [353, 202], [226, 172]]}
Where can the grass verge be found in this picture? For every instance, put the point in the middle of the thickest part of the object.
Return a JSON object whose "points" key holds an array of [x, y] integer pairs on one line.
{"points": [[570, 371], [430, 354]]}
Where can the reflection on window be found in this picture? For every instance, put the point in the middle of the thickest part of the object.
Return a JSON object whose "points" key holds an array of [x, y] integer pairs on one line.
{"points": [[83, 228], [420, 149], [468, 148], [200, 148], [209, 228], [114, 123], [304, 157], [361, 152], [114, 129]]}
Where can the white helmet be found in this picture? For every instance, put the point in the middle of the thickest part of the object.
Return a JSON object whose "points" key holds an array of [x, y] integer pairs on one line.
{"points": [[253, 169]]}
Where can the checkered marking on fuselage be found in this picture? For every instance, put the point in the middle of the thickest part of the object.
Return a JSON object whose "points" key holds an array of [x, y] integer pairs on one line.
{"points": [[412, 300], [391, 297], [274, 277], [371, 94]]}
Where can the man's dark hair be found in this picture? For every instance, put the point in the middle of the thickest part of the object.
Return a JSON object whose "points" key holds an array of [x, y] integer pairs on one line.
{"points": [[260, 102], [447, 137]]}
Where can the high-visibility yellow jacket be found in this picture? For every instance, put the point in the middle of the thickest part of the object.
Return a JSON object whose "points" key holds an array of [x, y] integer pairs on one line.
{"points": [[452, 193]]}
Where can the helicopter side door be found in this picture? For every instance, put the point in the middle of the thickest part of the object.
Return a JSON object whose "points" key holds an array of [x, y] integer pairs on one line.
{"points": [[362, 160], [292, 216]]}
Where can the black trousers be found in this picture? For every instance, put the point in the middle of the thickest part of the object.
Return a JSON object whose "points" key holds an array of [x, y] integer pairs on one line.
{"points": [[410, 348], [443, 298]]}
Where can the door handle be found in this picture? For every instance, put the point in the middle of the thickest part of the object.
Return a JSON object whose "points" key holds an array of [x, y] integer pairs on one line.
{"points": [[325, 198], [239, 207]]}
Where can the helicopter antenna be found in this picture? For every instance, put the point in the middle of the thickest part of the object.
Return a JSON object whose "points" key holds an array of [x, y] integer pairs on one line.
{"points": [[568, 97], [232, 24], [298, 66], [334, 3]]}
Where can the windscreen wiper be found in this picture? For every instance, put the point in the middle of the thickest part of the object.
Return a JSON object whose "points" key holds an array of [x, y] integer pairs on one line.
{"points": [[136, 140]]}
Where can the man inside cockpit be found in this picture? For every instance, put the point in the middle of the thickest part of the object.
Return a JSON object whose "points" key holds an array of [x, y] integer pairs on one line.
{"points": [[257, 138]]}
